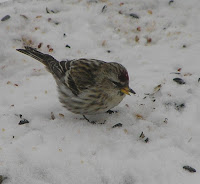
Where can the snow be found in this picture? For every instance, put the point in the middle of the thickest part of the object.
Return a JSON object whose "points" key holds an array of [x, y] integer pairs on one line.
{"points": [[68, 149]]}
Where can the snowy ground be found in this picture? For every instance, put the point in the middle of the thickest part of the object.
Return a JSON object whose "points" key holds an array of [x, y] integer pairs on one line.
{"points": [[165, 40]]}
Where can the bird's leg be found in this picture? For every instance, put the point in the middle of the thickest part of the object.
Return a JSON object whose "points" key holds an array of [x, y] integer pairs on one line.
{"points": [[111, 112], [92, 122]]}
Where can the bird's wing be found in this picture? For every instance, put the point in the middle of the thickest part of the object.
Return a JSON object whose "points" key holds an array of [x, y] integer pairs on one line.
{"points": [[81, 74], [77, 75]]}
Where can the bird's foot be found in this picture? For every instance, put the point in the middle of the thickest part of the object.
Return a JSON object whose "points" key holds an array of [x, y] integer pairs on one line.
{"points": [[92, 122], [111, 112]]}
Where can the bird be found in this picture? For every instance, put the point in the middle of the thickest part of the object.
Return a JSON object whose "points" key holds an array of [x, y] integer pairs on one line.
{"points": [[86, 86]]}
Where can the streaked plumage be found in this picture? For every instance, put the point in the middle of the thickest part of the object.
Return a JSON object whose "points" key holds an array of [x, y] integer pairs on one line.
{"points": [[86, 86]]}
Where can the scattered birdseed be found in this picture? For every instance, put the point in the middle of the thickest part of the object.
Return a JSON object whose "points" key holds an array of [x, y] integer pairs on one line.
{"points": [[38, 17], [134, 15], [179, 81], [138, 28], [157, 88], [5, 18], [166, 120], [143, 137], [67, 46], [117, 125], [177, 73], [104, 9], [51, 11], [146, 140], [23, 121], [103, 43], [138, 116], [47, 10], [179, 106], [150, 12], [179, 69], [190, 169], [52, 116], [50, 50], [24, 16], [171, 1], [40, 45], [149, 40], [137, 38], [125, 131], [187, 74], [61, 115]]}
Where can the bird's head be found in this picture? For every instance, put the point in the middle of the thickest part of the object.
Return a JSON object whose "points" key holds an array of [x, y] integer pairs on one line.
{"points": [[118, 76]]}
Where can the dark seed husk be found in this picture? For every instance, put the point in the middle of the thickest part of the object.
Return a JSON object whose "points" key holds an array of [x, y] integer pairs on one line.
{"points": [[117, 125], [104, 9], [5, 18], [180, 106], [179, 80], [190, 169], [51, 11], [142, 135], [24, 16], [47, 10], [52, 116], [23, 121], [146, 140], [171, 1], [177, 73], [134, 15], [199, 80], [166, 120], [67, 46]]}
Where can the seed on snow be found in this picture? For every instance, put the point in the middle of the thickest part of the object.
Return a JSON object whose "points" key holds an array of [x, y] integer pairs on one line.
{"points": [[5, 18], [179, 81], [190, 169]]}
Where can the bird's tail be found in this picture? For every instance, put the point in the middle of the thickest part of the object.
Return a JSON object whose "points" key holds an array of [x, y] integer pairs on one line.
{"points": [[43, 58], [56, 68]]}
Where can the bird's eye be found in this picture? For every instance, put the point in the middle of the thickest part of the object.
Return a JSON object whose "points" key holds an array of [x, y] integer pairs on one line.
{"points": [[117, 84]]}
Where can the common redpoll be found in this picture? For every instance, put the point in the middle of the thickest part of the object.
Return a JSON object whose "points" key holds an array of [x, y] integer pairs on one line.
{"points": [[86, 86]]}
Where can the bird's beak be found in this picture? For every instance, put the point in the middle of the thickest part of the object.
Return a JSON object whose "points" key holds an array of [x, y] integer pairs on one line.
{"points": [[127, 91]]}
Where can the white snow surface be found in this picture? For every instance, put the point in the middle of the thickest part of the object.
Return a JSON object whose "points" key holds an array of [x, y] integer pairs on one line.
{"points": [[68, 149]]}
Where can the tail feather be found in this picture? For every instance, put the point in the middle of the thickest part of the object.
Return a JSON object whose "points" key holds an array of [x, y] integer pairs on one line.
{"points": [[55, 67], [43, 58]]}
